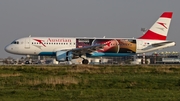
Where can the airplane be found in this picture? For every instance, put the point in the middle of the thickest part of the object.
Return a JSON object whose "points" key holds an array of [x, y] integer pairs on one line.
{"points": [[68, 48]]}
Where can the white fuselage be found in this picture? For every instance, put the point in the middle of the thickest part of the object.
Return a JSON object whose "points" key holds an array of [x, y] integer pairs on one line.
{"points": [[50, 45]]}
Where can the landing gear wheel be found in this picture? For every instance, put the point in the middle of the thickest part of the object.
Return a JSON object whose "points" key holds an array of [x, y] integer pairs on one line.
{"points": [[85, 61]]}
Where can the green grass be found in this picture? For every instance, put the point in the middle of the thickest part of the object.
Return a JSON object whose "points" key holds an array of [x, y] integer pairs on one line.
{"points": [[88, 82]]}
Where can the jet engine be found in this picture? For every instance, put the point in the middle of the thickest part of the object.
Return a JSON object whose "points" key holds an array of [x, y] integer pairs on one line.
{"points": [[64, 56]]}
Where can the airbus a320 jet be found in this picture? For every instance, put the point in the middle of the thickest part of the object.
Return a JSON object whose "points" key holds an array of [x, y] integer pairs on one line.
{"points": [[68, 48]]}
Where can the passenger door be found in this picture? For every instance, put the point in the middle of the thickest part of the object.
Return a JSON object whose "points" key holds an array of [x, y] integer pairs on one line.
{"points": [[27, 43]]}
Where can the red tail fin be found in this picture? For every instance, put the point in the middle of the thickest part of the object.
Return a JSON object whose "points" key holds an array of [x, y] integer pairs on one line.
{"points": [[160, 28]]}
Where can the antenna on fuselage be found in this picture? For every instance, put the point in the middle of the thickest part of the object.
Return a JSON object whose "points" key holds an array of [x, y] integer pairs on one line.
{"points": [[104, 37], [29, 35]]}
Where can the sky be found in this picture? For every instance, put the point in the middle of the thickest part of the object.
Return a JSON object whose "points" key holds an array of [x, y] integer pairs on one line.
{"points": [[83, 18]]}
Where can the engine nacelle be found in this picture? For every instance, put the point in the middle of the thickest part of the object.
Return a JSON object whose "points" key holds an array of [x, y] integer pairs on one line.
{"points": [[69, 56], [64, 56]]}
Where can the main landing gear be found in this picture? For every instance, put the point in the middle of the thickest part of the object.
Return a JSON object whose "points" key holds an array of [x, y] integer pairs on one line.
{"points": [[85, 61]]}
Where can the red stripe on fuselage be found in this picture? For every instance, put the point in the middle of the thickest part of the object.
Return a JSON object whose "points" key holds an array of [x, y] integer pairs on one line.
{"points": [[167, 15], [151, 35]]}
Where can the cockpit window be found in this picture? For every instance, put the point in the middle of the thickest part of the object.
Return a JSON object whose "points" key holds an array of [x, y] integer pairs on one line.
{"points": [[15, 42]]}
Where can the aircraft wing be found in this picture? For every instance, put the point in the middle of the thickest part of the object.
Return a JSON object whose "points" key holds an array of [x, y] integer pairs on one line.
{"points": [[88, 49]]}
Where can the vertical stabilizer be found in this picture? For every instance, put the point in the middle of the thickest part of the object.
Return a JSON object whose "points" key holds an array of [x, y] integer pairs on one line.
{"points": [[160, 28]]}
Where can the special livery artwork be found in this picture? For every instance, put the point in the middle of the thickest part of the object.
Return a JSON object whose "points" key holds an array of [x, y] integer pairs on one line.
{"points": [[111, 45]]}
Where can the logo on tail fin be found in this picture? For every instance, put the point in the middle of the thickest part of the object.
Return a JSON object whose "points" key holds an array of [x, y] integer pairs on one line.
{"points": [[162, 24]]}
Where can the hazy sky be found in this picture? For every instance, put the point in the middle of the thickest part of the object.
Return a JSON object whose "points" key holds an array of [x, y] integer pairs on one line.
{"points": [[83, 18]]}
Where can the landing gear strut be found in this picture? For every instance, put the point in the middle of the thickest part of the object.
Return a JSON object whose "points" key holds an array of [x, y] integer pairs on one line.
{"points": [[85, 61]]}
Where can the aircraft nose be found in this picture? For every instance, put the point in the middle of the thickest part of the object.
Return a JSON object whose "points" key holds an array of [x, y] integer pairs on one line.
{"points": [[8, 49], [11, 49]]}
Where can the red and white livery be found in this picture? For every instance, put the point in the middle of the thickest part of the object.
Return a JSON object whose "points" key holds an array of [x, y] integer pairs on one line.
{"points": [[68, 48]]}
